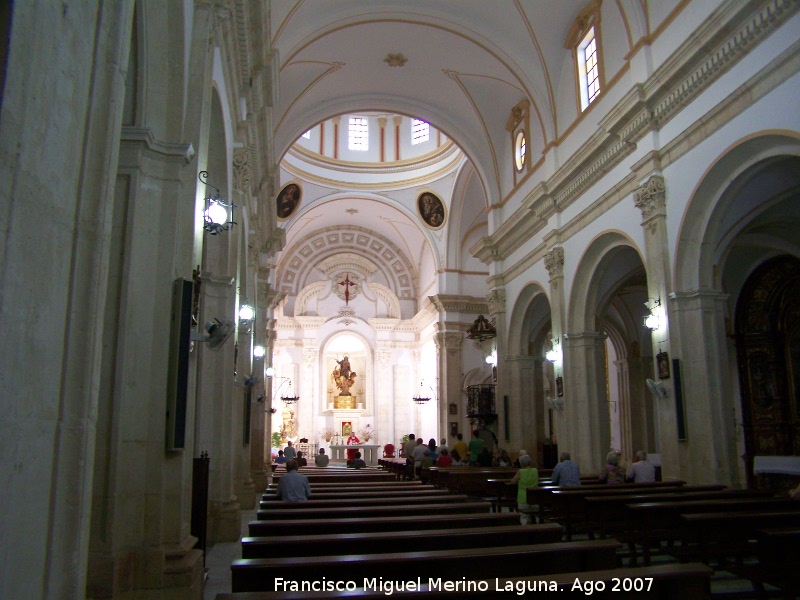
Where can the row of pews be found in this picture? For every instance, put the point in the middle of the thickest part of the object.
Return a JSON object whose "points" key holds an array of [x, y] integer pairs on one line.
{"points": [[366, 534]]}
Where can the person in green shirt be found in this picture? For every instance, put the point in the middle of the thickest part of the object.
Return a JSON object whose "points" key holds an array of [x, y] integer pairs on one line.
{"points": [[475, 447], [527, 476]]}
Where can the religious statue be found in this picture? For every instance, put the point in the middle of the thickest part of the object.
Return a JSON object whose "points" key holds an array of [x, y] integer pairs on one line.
{"points": [[343, 377], [344, 366], [288, 427]]}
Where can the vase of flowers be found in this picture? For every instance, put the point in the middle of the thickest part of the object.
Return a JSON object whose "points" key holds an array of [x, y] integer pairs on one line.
{"points": [[367, 433], [326, 434]]}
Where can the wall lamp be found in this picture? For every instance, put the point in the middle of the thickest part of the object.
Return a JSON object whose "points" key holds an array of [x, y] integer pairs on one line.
{"points": [[554, 354], [259, 351], [246, 313], [652, 320], [215, 215]]}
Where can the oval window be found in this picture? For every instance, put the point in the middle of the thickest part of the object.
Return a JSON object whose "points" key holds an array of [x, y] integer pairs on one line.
{"points": [[519, 150]]}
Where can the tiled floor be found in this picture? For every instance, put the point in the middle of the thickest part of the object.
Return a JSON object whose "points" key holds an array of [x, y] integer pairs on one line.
{"points": [[220, 557]]}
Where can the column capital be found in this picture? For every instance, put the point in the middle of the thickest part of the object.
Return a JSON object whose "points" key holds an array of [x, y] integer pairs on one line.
{"points": [[554, 263], [496, 299], [449, 340], [651, 198]]}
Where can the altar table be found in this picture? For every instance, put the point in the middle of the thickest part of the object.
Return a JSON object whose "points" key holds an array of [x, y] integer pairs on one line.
{"points": [[369, 452]]}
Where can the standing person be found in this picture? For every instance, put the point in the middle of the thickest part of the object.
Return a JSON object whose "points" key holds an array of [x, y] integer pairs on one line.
{"points": [[352, 440], [527, 476], [408, 450], [461, 448], [432, 449], [642, 471], [475, 447], [566, 471], [444, 460], [289, 452], [611, 473], [442, 446], [293, 487], [418, 454], [321, 459]]}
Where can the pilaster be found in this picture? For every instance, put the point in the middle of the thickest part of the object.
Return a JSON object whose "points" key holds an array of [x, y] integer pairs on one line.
{"points": [[449, 340]]}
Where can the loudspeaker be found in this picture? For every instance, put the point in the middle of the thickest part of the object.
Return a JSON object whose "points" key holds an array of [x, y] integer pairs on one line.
{"points": [[180, 346], [679, 411]]}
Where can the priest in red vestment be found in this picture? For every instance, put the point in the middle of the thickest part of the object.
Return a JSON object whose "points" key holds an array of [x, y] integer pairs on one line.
{"points": [[353, 439]]}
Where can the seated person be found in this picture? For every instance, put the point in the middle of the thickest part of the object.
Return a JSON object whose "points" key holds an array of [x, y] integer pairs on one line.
{"points": [[457, 461], [444, 460], [502, 459], [357, 462], [302, 461], [611, 473], [641, 471], [281, 458], [527, 476], [321, 459], [293, 487]]}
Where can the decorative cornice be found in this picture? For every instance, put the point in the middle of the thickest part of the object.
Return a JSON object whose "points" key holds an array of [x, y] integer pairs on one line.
{"points": [[461, 304], [144, 135], [731, 31]]}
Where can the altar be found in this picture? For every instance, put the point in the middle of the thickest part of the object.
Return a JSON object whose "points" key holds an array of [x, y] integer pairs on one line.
{"points": [[369, 452]]}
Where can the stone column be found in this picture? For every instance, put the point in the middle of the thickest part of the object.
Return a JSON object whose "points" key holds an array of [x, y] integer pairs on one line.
{"points": [[217, 424], [709, 385], [526, 403], [554, 263], [585, 401], [496, 301], [384, 405], [449, 339], [650, 198], [258, 407]]}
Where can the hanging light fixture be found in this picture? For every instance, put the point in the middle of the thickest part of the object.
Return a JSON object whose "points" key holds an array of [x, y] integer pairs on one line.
{"points": [[290, 399], [215, 215], [419, 398], [481, 330]]}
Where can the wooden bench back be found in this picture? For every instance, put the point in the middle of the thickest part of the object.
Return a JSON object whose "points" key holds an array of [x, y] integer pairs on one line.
{"points": [[260, 574]]}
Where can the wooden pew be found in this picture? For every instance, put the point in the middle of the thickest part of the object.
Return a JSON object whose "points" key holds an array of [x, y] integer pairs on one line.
{"points": [[567, 503], [261, 574], [727, 532], [471, 480], [398, 541], [352, 476], [605, 515], [359, 502], [360, 485], [341, 494], [648, 523], [400, 522], [778, 559], [420, 511]]}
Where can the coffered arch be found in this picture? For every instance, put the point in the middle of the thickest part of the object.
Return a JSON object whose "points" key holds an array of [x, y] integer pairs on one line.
{"points": [[296, 270]]}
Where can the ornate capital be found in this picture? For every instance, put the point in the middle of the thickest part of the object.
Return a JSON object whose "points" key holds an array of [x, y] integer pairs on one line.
{"points": [[651, 198], [384, 358], [242, 170], [310, 356], [448, 340], [496, 299], [554, 262]]}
